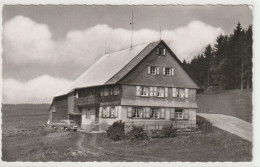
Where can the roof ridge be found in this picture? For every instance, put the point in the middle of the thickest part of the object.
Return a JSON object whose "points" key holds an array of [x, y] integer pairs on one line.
{"points": [[130, 47]]}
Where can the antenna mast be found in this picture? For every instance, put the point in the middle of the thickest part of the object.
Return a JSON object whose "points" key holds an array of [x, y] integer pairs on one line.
{"points": [[132, 26], [160, 33]]}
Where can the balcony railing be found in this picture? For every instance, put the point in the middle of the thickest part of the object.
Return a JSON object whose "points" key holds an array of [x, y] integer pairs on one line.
{"points": [[89, 100]]}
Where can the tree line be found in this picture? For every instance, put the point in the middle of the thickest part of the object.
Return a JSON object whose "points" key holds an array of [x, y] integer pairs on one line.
{"points": [[227, 64]]}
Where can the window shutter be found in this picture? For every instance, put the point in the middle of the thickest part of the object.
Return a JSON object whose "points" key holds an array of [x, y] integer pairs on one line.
{"points": [[172, 113], [149, 70], [186, 93], [138, 90], [151, 91], [164, 51], [165, 92], [116, 111], [173, 92], [162, 112], [186, 114], [157, 70], [100, 112], [158, 51], [104, 112], [129, 112], [155, 91], [172, 71], [147, 112], [108, 111], [163, 71]]}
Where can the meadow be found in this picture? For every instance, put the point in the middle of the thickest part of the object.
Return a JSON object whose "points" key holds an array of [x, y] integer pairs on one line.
{"points": [[25, 139]]}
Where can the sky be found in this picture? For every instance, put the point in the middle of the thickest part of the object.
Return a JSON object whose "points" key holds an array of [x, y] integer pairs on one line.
{"points": [[46, 47]]}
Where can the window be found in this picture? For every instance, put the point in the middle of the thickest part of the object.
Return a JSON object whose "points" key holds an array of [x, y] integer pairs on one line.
{"points": [[180, 92], [111, 90], [160, 92], [101, 91], [154, 112], [161, 51], [113, 112], [178, 114], [168, 71], [153, 70], [142, 90], [137, 112], [157, 113], [145, 112], [116, 90], [108, 112], [106, 91]]}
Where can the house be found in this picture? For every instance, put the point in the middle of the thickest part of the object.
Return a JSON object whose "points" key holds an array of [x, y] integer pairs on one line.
{"points": [[145, 83]]}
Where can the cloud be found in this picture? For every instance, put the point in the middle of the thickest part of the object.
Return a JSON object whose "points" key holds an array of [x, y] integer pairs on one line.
{"points": [[30, 51], [37, 90], [26, 41], [189, 40]]}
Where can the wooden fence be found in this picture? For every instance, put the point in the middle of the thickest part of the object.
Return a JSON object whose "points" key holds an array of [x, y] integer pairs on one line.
{"points": [[152, 125]]}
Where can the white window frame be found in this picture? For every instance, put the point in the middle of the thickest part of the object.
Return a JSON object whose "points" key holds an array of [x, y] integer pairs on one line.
{"points": [[144, 91], [160, 92], [168, 71], [153, 70], [161, 51], [137, 112], [179, 113], [154, 112], [179, 93], [109, 112]]}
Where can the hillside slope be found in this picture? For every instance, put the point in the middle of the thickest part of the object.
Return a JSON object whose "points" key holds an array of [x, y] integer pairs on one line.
{"points": [[231, 102]]}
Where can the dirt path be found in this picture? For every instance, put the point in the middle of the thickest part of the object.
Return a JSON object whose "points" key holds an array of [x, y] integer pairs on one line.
{"points": [[230, 124]]}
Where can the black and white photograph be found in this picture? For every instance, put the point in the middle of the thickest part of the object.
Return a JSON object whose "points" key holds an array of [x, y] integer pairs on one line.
{"points": [[127, 83]]}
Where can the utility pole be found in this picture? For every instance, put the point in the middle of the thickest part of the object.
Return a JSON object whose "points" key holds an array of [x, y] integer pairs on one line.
{"points": [[132, 26]]}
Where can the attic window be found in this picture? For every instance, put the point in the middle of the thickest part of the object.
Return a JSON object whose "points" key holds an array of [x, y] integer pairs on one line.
{"points": [[153, 70], [168, 71], [161, 51]]}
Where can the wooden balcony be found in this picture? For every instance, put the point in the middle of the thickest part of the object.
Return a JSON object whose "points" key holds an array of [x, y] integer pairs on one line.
{"points": [[88, 101]]}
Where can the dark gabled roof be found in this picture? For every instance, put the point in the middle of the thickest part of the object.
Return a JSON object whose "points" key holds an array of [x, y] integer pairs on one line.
{"points": [[134, 62], [112, 67]]}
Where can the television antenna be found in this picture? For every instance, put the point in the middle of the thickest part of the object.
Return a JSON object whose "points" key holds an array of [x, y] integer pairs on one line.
{"points": [[132, 28]]}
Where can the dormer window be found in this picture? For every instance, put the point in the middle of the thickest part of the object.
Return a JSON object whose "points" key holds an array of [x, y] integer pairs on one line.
{"points": [[153, 70], [161, 51]]}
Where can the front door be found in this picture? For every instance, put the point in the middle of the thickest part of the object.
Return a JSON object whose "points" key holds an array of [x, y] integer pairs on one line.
{"points": [[97, 115]]}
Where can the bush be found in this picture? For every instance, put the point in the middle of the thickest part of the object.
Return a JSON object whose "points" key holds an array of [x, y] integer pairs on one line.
{"points": [[116, 132], [137, 132], [169, 131]]}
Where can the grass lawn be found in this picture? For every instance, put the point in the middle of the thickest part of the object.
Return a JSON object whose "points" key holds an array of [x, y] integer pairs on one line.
{"points": [[77, 146], [236, 103], [24, 140]]}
